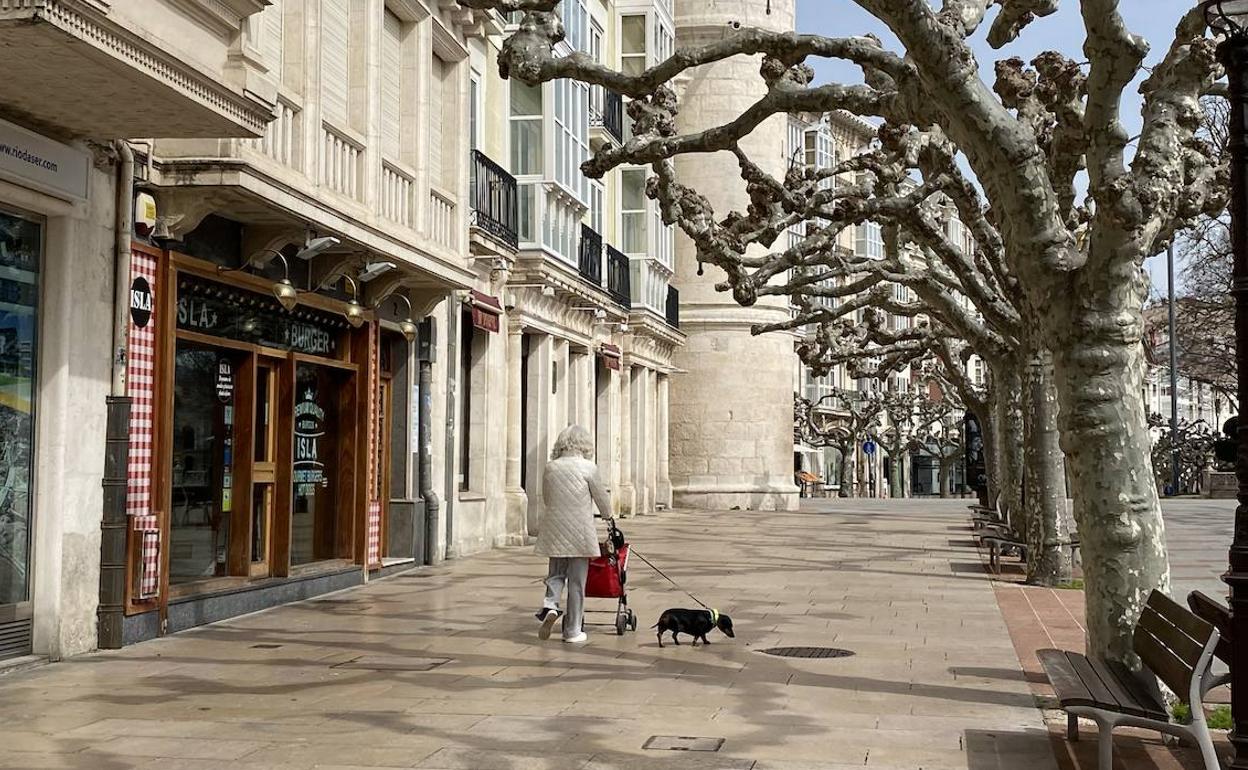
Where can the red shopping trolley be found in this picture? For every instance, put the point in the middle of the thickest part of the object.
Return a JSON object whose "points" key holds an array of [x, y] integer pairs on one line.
{"points": [[608, 575]]}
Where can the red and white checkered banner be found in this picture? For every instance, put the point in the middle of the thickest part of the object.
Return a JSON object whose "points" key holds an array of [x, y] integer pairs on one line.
{"points": [[372, 555], [141, 387]]}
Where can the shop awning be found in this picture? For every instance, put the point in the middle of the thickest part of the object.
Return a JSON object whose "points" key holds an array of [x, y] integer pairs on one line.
{"points": [[611, 356], [486, 311], [805, 450]]}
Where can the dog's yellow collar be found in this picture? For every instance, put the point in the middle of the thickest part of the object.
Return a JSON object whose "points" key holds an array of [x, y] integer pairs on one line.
{"points": [[714, 617]]}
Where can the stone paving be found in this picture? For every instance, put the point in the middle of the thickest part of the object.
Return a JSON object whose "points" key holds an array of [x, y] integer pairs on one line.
{"points": [[1198, 533], [935, 683]]}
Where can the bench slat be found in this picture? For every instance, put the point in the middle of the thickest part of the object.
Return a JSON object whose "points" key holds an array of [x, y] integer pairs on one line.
{"points": [[1162, 661], [1092, 680], [1149, 700], [1178, 615], [1067, 685], [1171, 636]]}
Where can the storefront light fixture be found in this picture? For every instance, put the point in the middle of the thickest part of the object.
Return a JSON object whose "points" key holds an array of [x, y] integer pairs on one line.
{"points": [[407, 325], [354, 310], [285, 291]]}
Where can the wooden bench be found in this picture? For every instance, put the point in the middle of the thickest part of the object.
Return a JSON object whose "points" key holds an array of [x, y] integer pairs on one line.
{"points": [[1175, 645]]}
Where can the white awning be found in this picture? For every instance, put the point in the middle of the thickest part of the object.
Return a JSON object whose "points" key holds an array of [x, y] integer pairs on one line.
{"points": [[803, 449]]}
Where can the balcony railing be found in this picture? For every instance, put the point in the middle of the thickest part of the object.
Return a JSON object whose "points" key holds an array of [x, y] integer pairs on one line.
{"points": [[495, 203], [608, 113], [590, 256], [673, 307], [442, 225], [618, 281]]}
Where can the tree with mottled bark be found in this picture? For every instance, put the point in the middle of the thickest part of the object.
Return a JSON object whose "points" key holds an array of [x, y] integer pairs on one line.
{"points": [[842, 420], [1068, 266]]}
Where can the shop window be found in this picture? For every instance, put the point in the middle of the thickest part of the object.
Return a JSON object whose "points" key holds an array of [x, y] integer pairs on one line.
{"points": [[21, 245], [203, 459]]}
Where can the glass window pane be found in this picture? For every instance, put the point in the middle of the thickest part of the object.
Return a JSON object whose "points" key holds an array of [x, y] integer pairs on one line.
{"points": [[261, 504], [633, 34], [202, 463], [525, 99], [526, 147], [21, 245], [633, 183]]}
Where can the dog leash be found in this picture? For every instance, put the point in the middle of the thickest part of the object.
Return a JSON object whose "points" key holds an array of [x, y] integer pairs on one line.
{"points": [[663, 574]]}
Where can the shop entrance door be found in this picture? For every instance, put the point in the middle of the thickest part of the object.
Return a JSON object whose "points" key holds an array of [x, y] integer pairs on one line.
{"points": [[263, 467]]}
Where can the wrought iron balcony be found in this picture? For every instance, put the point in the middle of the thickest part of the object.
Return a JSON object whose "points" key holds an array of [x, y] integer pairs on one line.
{"points": [[673, 307], [495, 201], [619, 283], [607, 112], [590, 256]]}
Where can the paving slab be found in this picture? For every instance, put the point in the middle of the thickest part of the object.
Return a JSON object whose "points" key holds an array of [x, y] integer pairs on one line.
{"points": [[934, 681]]}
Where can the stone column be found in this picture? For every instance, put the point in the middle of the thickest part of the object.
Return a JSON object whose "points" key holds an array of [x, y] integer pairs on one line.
{"points": [[625, 498], [732, 413], [517, 500], [643, 438], [538, 428], [664, 492]]}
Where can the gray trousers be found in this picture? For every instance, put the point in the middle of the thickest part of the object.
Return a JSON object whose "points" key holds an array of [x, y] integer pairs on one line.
{"points": [[570, 572]]}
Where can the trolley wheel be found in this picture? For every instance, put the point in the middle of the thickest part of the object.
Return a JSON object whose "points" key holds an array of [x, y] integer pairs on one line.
{"points": [[632, 620], [621, 623]]}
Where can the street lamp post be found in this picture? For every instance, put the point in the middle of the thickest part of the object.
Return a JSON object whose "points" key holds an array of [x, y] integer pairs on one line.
{"points": [[1229, 19]]}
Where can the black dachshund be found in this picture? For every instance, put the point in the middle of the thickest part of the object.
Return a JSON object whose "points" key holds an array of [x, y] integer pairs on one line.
{"points": [[695, 623]]}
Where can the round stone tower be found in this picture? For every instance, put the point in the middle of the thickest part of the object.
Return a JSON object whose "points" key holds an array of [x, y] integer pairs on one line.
{"points": [[731, 406]]}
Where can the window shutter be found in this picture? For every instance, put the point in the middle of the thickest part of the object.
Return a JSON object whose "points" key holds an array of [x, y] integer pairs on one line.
{"points": [[391, 85], [437, 89], [335, 68], [271, 39]]}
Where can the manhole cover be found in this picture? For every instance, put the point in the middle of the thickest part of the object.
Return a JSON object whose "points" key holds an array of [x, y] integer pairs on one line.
{"points": [[392, 663], [682, 743], [807, 652], [265, 646]]}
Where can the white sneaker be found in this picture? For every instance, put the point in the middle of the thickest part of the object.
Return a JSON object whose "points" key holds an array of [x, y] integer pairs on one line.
{"points": [[548, 624], [580, 638]]}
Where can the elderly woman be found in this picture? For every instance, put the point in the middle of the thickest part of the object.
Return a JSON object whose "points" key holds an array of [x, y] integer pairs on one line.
{"points": [[571, 489]]}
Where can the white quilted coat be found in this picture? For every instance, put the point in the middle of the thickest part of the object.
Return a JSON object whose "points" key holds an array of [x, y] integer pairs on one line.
{"points": [[570, 489]]}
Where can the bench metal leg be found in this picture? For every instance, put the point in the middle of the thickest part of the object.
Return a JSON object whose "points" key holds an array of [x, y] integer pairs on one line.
{"points": [[1205, 741], [1072, 728], [1105, 744]]}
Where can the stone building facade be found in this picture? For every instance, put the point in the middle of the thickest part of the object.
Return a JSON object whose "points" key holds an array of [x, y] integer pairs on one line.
{"points": [[79, 75], [326, 323]]}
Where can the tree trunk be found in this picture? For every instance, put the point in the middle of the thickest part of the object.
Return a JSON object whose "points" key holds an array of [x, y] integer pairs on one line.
{"points": [[988, 432], [946, 475], [1049, 560], [847, 471], [1010, 446], [896, 473], [1100, 375]]}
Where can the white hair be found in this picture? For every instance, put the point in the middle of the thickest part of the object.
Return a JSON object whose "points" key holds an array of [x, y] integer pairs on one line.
{"points": [[573, 440]]}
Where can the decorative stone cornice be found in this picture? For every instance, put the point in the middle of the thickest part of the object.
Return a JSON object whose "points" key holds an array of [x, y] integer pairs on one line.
{"points": [[89, 23], [222, 16]]}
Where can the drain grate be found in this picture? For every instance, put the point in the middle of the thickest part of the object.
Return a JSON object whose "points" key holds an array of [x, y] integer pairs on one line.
{"points": [[265, 646], [682, 743], [807, 652], [392, 663]]}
